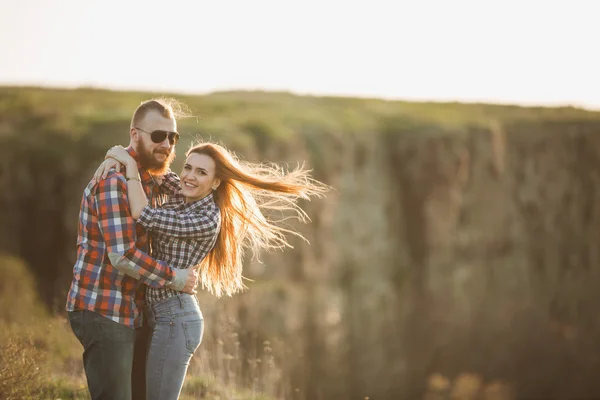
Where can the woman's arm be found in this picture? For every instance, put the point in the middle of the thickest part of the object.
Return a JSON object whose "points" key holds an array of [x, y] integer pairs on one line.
{"points": [[115, 158], [135, 191]]}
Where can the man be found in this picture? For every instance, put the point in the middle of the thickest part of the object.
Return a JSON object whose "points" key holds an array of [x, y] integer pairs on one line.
{"points": [[106, 297]]}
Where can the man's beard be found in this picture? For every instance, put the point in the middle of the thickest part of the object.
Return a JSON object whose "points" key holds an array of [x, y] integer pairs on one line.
{"points": [[154, 166]]}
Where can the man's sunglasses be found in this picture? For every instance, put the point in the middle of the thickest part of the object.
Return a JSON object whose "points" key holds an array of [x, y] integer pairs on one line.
{"points": [[159, 135]]}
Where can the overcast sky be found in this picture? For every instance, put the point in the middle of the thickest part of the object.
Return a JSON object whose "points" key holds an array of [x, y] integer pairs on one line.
{"points": [[509, 51]]}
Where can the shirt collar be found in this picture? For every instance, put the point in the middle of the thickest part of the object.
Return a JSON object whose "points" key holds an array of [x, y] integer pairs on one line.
{"points": [[144, 174], [203, 202]]}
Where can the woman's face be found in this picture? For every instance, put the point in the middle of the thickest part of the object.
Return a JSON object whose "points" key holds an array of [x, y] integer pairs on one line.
{"points": [[198, 177]]}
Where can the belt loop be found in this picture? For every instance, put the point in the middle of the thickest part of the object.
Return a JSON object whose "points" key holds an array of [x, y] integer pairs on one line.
{"points": [[180, 301]]}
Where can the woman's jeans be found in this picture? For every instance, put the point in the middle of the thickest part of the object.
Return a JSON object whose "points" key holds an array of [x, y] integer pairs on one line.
{"points": [[177, 326]]}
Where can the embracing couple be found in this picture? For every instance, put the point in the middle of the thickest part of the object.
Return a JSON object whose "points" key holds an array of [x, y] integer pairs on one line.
{"points": [[147, 237]]}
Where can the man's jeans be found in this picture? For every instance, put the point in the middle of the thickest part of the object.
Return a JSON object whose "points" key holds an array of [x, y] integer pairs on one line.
{"points": [[107, 356], [177, 326]]}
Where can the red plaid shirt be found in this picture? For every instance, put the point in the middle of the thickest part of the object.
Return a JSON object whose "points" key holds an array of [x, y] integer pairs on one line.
{"points": [[107, 227]]}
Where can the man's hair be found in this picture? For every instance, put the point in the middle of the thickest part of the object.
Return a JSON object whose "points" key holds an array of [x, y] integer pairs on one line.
{"points": [[166, 106]]}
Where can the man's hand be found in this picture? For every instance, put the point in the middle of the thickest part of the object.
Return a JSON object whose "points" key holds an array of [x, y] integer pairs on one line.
{"points": [[192, 281]]}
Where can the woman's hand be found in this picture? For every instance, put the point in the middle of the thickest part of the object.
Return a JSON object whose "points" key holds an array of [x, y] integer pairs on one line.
{"points": [[121, 155], [116, 157], [103, 169]]}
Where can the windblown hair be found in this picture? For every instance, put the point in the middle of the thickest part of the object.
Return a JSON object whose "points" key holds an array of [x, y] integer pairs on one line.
{"points": [[247, 192], [166, 106]]}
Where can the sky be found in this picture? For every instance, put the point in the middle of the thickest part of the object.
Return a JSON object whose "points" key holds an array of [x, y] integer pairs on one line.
{"points": [[525, 52]]}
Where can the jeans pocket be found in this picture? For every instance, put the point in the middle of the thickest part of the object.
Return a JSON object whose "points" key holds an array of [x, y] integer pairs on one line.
{"points": [[111, 332], [163, 319], [193, 334]]}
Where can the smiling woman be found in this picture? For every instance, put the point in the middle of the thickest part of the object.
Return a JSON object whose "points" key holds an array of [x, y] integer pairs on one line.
{"points": [[217, 209], [198, 177], [242, 191]]}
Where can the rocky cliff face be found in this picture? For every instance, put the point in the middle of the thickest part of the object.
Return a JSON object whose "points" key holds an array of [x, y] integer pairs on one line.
{"points": [[471, 251], [440, 251]]}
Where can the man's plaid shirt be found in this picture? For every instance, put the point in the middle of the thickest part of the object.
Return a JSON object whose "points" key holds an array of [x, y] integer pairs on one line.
{"points": [[182, 233], [106, 228]]}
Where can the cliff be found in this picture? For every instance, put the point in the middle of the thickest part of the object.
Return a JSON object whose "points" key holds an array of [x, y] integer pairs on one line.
{"points": [[457, 239]]}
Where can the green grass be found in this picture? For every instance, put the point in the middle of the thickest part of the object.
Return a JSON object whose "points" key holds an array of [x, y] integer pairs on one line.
{"points": [[278, 115], [86, 122]]}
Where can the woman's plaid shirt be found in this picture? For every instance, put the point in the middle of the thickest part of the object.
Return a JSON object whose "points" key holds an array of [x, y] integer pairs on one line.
{"points": [[182, 233], [107, 228]]}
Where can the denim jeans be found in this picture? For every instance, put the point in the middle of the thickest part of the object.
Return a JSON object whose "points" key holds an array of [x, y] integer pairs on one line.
{"points": [[177, 327], [107, 354], [138, 373]]}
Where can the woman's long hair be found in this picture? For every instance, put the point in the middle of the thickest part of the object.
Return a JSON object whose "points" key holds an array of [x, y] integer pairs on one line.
{"points": [[247, 192]]}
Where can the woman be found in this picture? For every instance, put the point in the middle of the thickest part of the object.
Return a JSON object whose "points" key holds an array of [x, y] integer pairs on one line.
{"points": [[214, 214]]}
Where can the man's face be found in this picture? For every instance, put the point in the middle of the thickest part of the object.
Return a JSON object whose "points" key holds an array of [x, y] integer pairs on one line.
{"points": [[155, 157]]}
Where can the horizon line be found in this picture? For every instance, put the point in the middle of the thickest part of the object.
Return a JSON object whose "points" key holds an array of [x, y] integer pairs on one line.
{"points": [[408, 99]]}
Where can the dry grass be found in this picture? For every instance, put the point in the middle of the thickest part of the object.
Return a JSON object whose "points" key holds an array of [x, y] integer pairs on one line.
{"points": [[46, 364], [466, 386], [40, 358], [20, 375], [220, 368]]}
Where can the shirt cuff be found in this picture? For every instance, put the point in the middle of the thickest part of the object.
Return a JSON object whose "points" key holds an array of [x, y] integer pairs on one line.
{"points": [[179, 279], [145, 218], [171, 184]]}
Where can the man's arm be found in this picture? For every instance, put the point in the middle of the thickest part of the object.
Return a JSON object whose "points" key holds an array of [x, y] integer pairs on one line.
{"points": [[118, 230], [182, 225]]}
